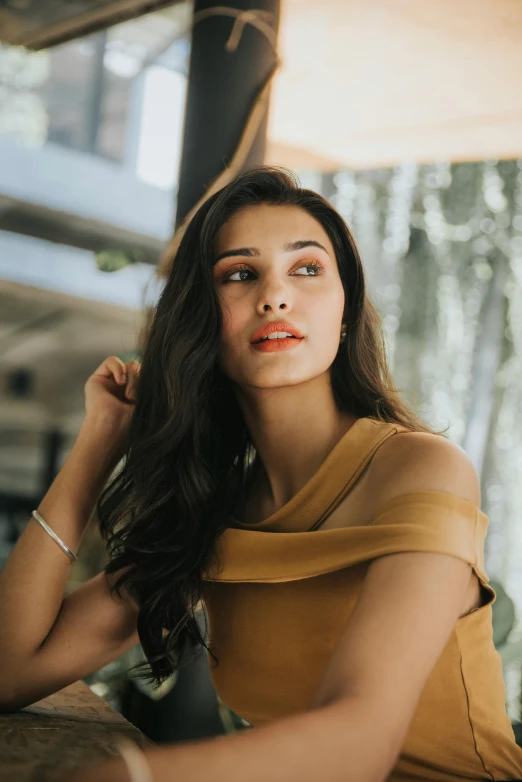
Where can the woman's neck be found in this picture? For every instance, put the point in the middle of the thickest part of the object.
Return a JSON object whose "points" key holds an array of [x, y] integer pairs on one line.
{"points": [[293, 433]]}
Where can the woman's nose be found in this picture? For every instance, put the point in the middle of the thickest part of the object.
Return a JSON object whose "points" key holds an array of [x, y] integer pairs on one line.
{"points": [[274, 296], [274, 303]]}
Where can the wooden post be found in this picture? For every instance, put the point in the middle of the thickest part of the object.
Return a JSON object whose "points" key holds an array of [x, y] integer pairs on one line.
{"points": [[222, 88]]}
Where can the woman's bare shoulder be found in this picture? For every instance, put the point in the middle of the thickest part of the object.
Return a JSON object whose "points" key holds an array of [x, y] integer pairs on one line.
{"points": [[422, 461]]}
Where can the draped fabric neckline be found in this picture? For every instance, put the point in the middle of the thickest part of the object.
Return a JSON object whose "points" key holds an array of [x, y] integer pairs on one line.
{"points": [[326, 479], [280, 548]]}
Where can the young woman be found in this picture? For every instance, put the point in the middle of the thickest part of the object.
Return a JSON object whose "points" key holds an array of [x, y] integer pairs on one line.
{"points": [[274, 476]]}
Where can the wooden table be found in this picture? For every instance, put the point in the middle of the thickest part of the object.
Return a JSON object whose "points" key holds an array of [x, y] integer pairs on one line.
{"points": [[73, 727]]}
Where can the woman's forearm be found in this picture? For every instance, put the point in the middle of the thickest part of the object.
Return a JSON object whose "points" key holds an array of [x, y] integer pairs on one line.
{"points": [[33, 578], [346, 741]]}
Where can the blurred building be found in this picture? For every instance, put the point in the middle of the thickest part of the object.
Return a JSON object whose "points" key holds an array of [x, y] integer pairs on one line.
{"points": [[90, 135]]}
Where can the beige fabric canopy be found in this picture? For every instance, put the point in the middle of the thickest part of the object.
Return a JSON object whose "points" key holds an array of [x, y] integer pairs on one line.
{"points": [[363, 83], [368, 83]]}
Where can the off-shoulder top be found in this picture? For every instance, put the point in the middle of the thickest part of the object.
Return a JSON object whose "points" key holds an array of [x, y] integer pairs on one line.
{"points": [[286, 590]]}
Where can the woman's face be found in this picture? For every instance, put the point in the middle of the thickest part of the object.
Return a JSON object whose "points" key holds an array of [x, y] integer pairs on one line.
{"points": [[276, 263]]}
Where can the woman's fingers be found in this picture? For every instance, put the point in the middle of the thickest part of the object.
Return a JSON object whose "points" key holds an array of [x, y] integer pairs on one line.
{"points": [[114, 367], [133, 367]]}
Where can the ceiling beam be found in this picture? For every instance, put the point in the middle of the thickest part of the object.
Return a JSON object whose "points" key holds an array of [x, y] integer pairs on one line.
{"points": [[41, 25]]}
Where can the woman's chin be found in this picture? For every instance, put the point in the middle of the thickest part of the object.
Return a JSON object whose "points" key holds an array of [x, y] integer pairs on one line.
{"points": [[274, 379]]}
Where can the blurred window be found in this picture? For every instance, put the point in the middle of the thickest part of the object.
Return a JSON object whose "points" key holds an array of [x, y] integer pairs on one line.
{"points": [[120, 93]]}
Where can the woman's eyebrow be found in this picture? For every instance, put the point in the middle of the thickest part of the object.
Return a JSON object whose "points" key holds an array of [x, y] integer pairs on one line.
{"points": [[289, 248], [252, 252]]}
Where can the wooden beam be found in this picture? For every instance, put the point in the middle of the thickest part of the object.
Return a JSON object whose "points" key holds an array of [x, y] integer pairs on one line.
{"points": [[56, 23]]}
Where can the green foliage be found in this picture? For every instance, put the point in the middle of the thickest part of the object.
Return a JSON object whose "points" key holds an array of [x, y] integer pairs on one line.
{"points": [[114, 259]]}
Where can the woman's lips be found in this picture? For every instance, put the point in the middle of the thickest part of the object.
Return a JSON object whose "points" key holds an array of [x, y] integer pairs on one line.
{"points": [[275, 345], [273, 327]]}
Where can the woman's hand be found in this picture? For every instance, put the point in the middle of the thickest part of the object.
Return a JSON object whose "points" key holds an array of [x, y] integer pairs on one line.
{"points": [[110, 396], [110, 392]]}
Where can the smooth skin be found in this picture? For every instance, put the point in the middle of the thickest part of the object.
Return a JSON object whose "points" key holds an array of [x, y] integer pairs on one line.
{"points": [[409, 602], [285, 397], [63, 639]]}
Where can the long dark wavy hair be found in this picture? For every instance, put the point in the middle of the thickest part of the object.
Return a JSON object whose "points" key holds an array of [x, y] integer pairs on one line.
{"points": [[188, 451]]}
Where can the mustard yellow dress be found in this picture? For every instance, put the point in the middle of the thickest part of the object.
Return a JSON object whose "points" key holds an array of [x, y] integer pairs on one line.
{"points": [[286, 591]]}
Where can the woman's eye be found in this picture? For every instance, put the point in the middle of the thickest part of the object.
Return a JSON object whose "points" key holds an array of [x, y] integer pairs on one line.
{"points": [[238, 271], [317, 268], [314, 266]]}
